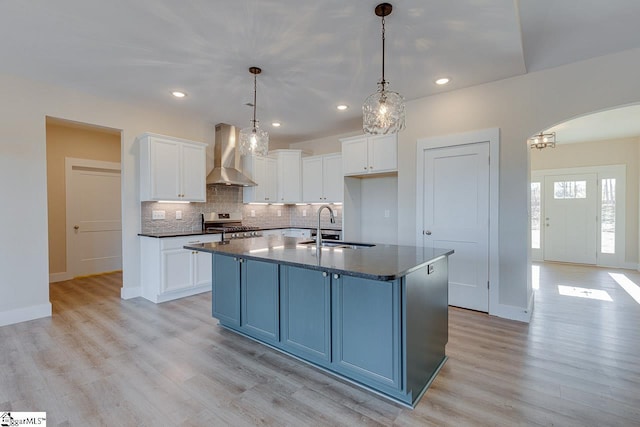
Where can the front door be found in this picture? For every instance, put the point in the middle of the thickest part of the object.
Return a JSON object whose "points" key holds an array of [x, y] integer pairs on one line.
{"points": [[570, 221], [456, 216], [94, 225]]}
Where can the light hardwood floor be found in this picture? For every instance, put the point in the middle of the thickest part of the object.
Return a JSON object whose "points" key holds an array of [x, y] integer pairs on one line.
{"points": [[100, 360]]}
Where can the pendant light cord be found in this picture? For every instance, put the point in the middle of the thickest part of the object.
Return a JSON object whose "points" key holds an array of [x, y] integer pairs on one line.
{"points": [[383, 82], [255, 90]]}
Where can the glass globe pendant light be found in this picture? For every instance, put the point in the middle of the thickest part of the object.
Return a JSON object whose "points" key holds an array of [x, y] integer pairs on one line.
{"points": [[383, 111], [254, 140]]}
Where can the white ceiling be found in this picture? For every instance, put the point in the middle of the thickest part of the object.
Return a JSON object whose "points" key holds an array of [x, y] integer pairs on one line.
{"points": [[314, 54]]}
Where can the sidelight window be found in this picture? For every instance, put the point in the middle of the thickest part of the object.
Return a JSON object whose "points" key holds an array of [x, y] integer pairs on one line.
{"points": [[535, 215], [608, 216]]}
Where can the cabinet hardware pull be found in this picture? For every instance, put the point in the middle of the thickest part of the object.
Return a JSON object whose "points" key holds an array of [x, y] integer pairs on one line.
{"points": [[365, 168], [370, 167], [324, 274], [336, 276]]}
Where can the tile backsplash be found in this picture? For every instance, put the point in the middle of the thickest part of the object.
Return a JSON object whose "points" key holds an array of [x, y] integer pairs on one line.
{"points": [[229, 199]]}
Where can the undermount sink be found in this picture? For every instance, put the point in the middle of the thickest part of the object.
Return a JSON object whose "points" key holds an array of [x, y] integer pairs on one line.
{"points": [[338, 244]]}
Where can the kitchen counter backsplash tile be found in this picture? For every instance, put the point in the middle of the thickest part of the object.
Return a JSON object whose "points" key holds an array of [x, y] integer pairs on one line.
{"points": [[229, 199]]}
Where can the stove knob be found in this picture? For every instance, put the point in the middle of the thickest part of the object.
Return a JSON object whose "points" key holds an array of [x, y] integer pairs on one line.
{"points": [[246, 234], [234, 235]]}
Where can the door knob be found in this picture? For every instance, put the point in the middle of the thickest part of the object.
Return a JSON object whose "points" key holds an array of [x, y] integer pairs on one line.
{"points": [[428, 232], [76, 227]]}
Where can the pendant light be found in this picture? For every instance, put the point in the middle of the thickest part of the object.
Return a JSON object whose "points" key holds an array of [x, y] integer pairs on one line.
{"points": [[383, 111], [254, 140]]}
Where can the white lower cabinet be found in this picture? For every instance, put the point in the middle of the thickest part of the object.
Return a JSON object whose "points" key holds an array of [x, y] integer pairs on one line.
{"points": [[169, 271]]}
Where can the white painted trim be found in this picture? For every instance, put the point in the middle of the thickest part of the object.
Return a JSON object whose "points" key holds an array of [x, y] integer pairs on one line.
{"points": [[59, 277], [513, 312], [25, 314], [492, 136], [69, 164], [130, 292]]}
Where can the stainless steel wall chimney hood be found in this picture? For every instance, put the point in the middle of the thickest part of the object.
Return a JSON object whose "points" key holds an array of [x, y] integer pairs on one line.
{"points": [[226, 159]]}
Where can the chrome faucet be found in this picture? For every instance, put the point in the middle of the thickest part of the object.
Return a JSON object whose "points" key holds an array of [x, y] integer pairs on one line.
{"points": [[318, 233]]}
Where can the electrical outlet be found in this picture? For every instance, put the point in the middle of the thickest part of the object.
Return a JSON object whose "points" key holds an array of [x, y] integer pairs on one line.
{"points": [[157, 214], [304, 212], [253, 213], [387, 213], [279, 212], [178, 214]]}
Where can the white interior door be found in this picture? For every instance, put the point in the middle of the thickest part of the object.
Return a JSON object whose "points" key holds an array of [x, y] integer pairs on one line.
{"points": [[456, 216], [570, 220], [94, 224]]}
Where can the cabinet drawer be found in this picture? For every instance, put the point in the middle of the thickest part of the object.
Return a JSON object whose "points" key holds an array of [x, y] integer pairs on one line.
{"points": [[179, 242]]}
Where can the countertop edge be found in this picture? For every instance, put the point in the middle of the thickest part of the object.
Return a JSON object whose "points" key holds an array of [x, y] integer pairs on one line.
{"points": [[385, 278]]}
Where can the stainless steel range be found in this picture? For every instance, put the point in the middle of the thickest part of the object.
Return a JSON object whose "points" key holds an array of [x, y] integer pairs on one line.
{"points": [[230, 224]]}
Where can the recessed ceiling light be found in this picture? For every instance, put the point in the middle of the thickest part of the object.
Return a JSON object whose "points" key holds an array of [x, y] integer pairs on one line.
{"points": [[342, 107], [178, 94], [443, 81], [276, 124]]}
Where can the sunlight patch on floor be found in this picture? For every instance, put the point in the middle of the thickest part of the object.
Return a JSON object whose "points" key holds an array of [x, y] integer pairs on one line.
{"points": [[573, 291], [631, 288]]}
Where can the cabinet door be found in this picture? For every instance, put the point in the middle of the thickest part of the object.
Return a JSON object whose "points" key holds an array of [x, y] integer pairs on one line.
{"points": [[332, 178], [354, 157], [194, 173], [289, 186], [165, 169], [383, 153], [176, 269], [312, 179], [260, 177], [201, 268], [260, 303], [226, 290], [270, 180], [306, 313], [366, 330]]}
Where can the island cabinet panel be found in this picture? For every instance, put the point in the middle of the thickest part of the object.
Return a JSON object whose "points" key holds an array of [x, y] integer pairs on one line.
{"points": [[366, 331], [226, 289], [306, 313], [259, 291]]}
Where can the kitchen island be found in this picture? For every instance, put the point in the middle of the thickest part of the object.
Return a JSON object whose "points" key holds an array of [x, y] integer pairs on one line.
{"points": [[375, 316]]}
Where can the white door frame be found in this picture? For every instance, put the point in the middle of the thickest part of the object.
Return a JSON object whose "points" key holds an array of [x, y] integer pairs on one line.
{"points": [[69, 164], [619, 172], [492, 136]]}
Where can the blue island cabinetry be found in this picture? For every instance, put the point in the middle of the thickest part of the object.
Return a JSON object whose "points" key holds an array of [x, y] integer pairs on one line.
{"points": [[354, 327]]}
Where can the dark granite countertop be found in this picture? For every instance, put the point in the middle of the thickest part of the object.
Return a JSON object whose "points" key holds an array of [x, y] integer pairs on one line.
{"points": [[178, 234], [380, 262], [198, 233], [299, 228]]}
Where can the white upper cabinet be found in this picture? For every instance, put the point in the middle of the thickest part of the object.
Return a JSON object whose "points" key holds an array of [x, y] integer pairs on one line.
{"points": [[289, 184], [262, 170], [172, 169], [363, 155], [322, 179]]}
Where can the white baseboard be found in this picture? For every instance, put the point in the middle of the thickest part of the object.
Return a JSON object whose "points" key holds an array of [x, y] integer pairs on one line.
{"points": [[631, 266], [25, 314], [59, 277], [130, 292], [513, 312], [169, 296]]}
